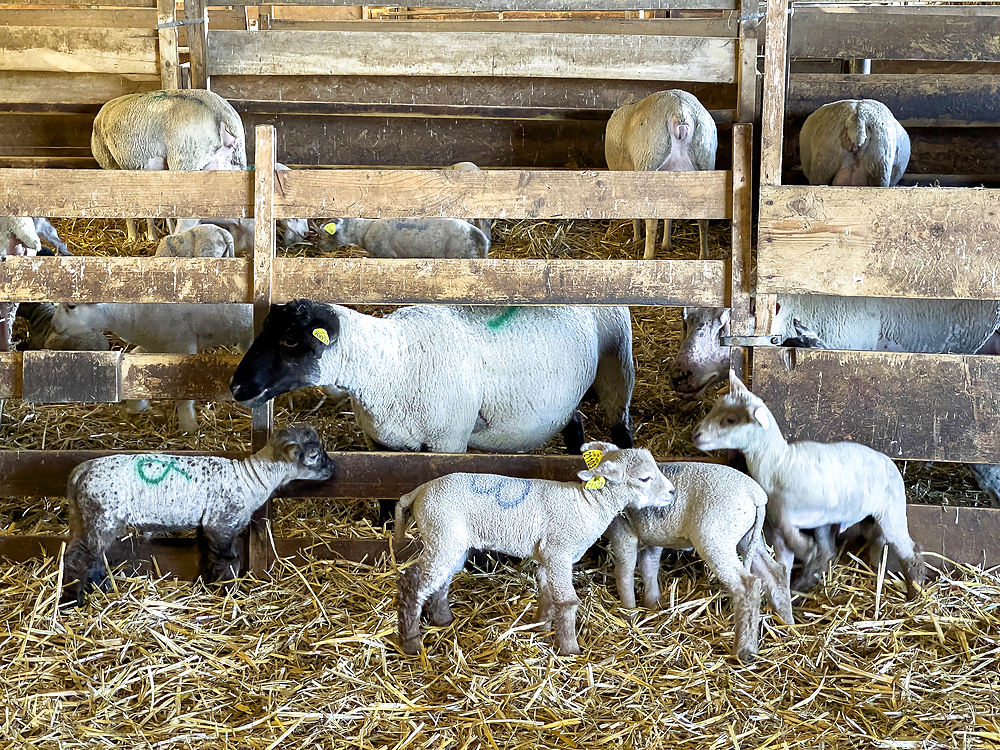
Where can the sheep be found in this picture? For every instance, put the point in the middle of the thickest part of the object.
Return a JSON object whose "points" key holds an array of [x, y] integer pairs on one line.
{"points": [[667, 131], [940, 326], [17, 237], [189, 129], [719, 512], [159, 492], [411, 238], [811, 485], [483, 225], [988, 478], [47, 232], [553, 523], [289, 231], [200, 241], [853, 142], [178, 328], [41, 335]]}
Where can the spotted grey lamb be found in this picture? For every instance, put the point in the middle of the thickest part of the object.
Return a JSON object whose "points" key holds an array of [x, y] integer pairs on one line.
{"points": [[411, 238], [160, 492], [553, 523]]}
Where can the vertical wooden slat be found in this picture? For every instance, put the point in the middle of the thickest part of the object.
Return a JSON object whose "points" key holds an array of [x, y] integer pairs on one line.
{"points": [[196, 13], [170, 76], [773, 117], [738, 292], [260, 555], [746, 67]]}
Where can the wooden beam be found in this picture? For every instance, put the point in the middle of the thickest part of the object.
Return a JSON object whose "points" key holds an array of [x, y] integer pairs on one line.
{"points": [[895, 33], [542, 5], [198, 376], [63, 377], [501, 282], [505, 194], [705, 27], [89, 3], [117, 194], [79, 50], [471, 54], [107, 279], [915, 100], [30, 87], [926, 407], [103, 18], [11, 367], [739, 281], [196, 17], [773, 97], [169, 55], [879, 242]]}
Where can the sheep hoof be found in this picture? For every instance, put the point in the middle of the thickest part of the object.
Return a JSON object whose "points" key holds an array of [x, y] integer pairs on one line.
{"points": [[568, 649], [411, 646], [747, 655]]}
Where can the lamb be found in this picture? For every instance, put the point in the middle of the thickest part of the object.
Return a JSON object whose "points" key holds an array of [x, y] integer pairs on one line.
{"points": [[988, 478], [189, 129], [17, 237], [178, 328], [158, 492], [812, 485], [854, 142], [553, 523], [41, 335], [411, 238], [289, 231], [719, 512], [483, 225], [200, 241], [941, 326], [47, 232], [667, 131]]}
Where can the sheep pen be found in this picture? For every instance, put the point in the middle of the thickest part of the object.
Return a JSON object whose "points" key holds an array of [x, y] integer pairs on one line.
{"points": [[306, 657]]}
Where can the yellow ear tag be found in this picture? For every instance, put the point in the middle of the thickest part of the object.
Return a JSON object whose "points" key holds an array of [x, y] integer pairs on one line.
{"points": [[330, 228], [592, 458], [595, 484], [322, 335]]}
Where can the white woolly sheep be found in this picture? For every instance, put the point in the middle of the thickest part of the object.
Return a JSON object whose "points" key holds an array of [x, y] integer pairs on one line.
{"points": [[719, 512], [289, 231], [411, 238], [933, 326], [200, 241], [17, 237], [854, 142], [553, 523], [811, 485], [175, 328], [667, 131], [159, 492], [186, 129], [41, 335]]}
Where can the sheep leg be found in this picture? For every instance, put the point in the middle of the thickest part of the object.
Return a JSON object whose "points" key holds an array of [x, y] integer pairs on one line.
{"points": [[624, 548], [637, 229], [83, 564], [772, 575], [650, 251], [744, 590], [649, 568], [544, 615], [416, 585], [825, 549], [131, 230], [186, 419], [564, 604], [784, 556], [151, 234], [220, 556], [666, 244], [438, 609], [573, 435], [703, 236], [892, 527]]}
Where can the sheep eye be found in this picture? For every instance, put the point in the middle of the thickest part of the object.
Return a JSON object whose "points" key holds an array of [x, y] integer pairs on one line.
{"points": [[289, 343], [70, 307], [729, 420], [645, 479]]}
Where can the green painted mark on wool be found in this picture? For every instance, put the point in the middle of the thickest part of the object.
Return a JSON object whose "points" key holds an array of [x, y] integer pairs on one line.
{"points": [[154, 470], [501, 320]]}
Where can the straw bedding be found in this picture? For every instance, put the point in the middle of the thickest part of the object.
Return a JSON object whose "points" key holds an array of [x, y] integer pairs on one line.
{"points": [[307, 658]]}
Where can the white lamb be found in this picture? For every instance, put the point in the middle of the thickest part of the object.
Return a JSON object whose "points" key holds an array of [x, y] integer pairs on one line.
{"points": [[176, 328], [200, 241], [553, 523], [854, 142], [812, 485], [158, 492], [17, 237], [719, 512], [411, 238], [667, 131]]}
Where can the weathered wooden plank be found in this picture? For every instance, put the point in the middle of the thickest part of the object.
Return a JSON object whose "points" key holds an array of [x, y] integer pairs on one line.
{"points": [[116, 194], [933, 407], [543, 5], [915, 100], [104, 18], [198, 376], [720, 27], [773, 95], [88, 3], [471, 54], [879, 242], [79, 50], [740, 279], [895, 33], [104, 279], [168, 48], [29, 87], [505, 194], [10, 374], [519, 282], [64, 377], [968, 536], [195, 11]]}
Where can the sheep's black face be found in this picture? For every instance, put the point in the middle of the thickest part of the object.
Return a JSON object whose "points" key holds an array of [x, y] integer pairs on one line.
{"points": [[286, 354]]}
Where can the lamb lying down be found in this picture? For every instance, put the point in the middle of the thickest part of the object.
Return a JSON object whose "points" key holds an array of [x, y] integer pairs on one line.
{"points": [[553, 523], [159, 492]]}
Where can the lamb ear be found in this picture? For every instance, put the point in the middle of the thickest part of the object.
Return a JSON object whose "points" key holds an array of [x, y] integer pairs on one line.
{"points": [[613, 471], [597, 445], [761, 416], [735, 384]]}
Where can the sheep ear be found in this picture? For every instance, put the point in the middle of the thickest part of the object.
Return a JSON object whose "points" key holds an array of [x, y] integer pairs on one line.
{"points": [[761, 416], [612, 471], [735, 384], [724, 318], [597, 445]]}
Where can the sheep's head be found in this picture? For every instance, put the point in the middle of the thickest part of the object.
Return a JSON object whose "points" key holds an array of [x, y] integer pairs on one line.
{"points": [[736, 419], [702, 361], [633, 467], [302, 449], [287, 353], [76, 319]]}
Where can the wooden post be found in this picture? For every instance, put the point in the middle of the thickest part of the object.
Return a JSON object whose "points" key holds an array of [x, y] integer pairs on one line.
{"points": [[196, 13], [746, 68], [260, 556], [773, 118], [166, 15], [738, 283]]}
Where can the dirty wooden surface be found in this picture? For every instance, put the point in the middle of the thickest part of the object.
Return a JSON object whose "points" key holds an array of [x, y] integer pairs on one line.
{"points": [[83, 50], [62, 377]]}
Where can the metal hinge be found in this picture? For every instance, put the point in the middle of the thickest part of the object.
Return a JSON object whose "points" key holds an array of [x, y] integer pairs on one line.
{"points": [[751, 340]]}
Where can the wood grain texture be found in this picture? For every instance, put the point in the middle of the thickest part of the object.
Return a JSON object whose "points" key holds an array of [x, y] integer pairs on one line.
{"points": [[915, 100], [79, 50], [169, 54], [501, 282], [104, 279], [720, 27], [926, 407], [740, 279], [198, 376], [879, 242], [505, 194], [471, 54], [115, 194], [30, 87], [103, 18], [65, 377], [544, 5], [894, 33], [195, 10], [10, 374], [773, 96], [88, 3]]}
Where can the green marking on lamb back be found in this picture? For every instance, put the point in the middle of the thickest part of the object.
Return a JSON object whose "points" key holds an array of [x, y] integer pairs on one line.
{"points": [[154, 470], [501, 320]]}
